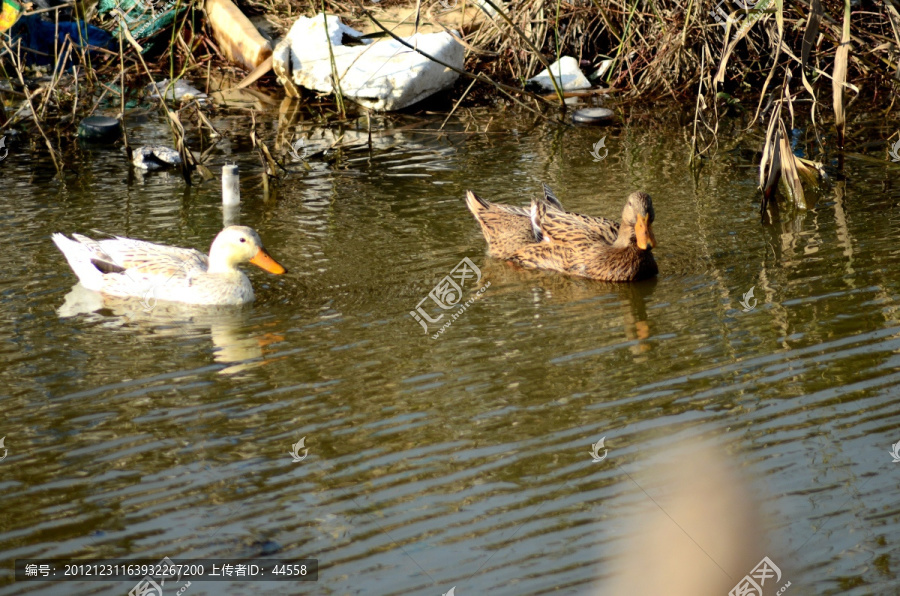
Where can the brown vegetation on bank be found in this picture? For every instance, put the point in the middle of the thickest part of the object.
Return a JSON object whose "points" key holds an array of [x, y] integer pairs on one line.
{"points": [[771, 61]]}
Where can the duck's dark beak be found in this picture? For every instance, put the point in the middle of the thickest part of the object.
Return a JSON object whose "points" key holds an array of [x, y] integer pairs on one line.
{"points": [[264, 261], [643, 232]]}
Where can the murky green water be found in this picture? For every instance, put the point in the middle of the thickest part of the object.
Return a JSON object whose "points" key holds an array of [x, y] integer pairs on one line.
{"points": [[463, 460]]}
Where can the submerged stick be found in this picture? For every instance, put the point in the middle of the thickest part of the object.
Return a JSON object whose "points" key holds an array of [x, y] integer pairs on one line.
{"points": [[840, 75], [128, 152], [336, 79], [697, 110], [456, 105]]}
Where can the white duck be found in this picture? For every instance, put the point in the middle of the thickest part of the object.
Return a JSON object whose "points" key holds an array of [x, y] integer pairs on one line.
{"points": [[125, 267]]}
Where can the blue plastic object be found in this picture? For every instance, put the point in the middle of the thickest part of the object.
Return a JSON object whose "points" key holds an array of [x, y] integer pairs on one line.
{"points": [[38, 35]]}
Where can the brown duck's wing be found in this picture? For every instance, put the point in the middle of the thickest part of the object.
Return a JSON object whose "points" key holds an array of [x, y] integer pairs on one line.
{"points": [[604, 230], [543, 255], [540, 207], [550, 197], [588, 259], [569, 224], [510, 209], [505, 227], [99, 258], [561, 227]]}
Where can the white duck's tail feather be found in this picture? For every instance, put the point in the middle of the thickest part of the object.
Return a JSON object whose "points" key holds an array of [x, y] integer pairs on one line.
{"points": [[79, 258]]}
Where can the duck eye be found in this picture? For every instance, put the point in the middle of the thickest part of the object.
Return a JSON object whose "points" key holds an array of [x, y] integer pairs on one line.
{"points": [[243, 239]]}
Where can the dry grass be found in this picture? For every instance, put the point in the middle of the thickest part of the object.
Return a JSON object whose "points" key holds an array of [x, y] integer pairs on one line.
{"points": [[699, 53]]}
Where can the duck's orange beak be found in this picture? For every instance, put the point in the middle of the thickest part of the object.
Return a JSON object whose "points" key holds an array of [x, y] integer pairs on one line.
{"points": [[264, 261], [644, 233]]}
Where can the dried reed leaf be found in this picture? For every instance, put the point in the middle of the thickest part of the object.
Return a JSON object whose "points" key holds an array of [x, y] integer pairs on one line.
{"points": [[769, 162], [811, 172], [774, 166], [788, 99], [811, 32], [779, 165], [779, 17], [790, 177], [267, 159], [769, 170], [755, 15], [894, 17], [187, 158], [205, 174], [809, 40], [841, 58]]}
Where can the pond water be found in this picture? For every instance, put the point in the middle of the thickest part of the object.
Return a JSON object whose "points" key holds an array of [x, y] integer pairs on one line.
{"points": [[461, 461]]}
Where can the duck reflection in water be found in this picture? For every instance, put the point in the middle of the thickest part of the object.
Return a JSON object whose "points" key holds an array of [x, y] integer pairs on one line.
{"points": [[229, 327], [506, 277]]}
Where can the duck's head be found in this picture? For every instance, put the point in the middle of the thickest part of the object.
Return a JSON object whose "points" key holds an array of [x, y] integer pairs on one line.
{"points": [[240, 244], [638, 214]]}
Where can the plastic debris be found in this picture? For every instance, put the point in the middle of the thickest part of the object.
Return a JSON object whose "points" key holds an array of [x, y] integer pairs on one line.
{"points": [[602, 69], [153, 158], [100, 129], [145, 18], [231, 185], [9, 12], [568, 76], [44, 37], [384, 75], [238, 39], [592, 116], [178, 92]]}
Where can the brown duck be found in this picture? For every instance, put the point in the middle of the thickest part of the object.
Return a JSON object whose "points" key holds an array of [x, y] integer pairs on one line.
{"points": [[548, 237]]}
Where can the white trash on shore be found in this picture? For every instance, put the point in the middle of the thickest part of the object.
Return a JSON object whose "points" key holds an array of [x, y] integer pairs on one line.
{"points": [[384, 75], [568, 76]]}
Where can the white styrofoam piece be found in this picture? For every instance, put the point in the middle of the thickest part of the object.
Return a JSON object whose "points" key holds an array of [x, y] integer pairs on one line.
{"points": [[568, 76], [384, 75]]}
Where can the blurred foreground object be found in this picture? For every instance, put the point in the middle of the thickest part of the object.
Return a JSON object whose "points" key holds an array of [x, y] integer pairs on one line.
{"points": [[700, 531]]}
